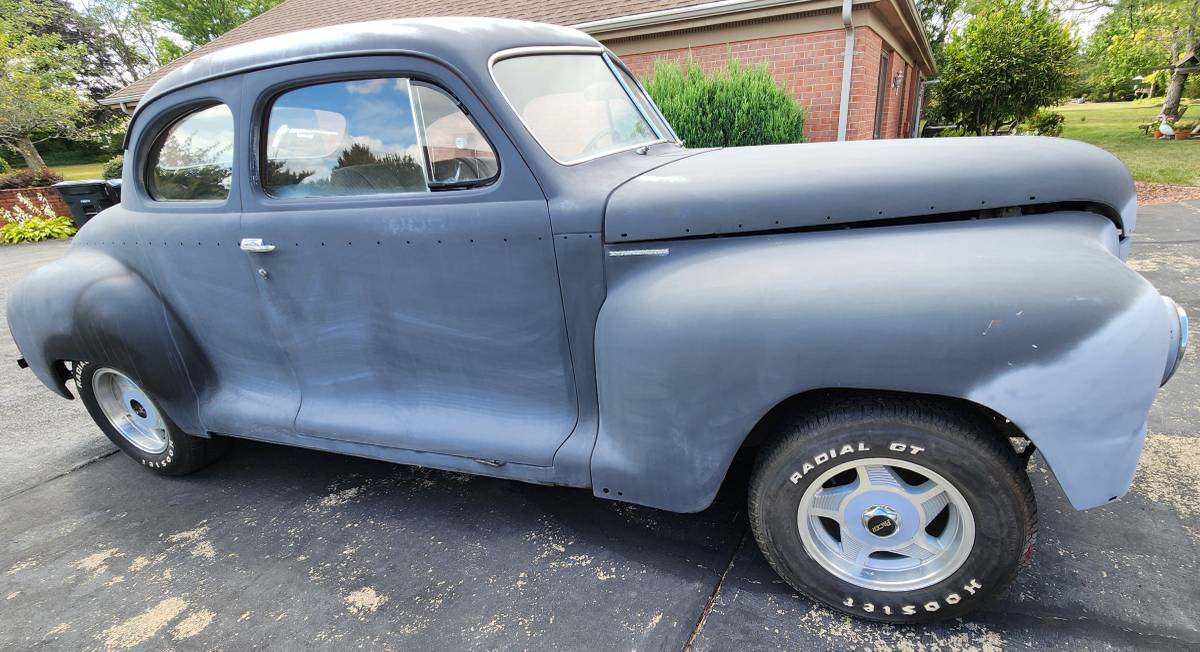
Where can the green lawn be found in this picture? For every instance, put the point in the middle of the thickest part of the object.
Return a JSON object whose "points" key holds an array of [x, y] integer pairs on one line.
{"points": [[1114, 127], [73, 166], [81, 171]]}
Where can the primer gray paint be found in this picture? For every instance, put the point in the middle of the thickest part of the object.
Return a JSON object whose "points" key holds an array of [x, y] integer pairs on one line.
{"points": [[524, 324]]}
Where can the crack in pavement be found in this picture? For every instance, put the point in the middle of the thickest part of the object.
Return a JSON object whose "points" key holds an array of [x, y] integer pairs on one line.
{"points": [[69, 471], [716, 592]]}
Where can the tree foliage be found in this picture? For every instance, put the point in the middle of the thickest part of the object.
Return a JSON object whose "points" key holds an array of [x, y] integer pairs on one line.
{"points": [[200, 21], [1012, 58], [1128, 40], [128, 37], [739, 105], [38, 76]]}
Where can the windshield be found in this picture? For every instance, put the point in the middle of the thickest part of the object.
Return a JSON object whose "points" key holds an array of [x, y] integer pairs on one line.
{"points": [[573, 104]]}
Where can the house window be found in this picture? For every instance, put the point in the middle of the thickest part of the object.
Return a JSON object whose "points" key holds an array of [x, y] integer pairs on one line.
{"points": [[881, 94]]}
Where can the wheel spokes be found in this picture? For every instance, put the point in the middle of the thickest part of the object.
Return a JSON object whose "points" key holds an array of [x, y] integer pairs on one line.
{"points": [[931, 498], [922, 547], [880, 476], [881, 515], [828, 502]]}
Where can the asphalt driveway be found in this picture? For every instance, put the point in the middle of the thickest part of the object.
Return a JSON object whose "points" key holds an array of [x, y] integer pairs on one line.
{"points": [[290, 549]]}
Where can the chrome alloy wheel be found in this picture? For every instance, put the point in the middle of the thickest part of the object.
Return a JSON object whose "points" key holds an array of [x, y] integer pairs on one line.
{"points": [[130, 412], [886, 524]]}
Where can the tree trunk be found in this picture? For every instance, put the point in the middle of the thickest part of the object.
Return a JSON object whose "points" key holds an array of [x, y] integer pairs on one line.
{"points": [[1170, 106], [29, 152], [1178, 79]]}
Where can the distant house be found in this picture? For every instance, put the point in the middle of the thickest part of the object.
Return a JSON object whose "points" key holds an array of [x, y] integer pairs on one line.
{"points": [[803, 42]]}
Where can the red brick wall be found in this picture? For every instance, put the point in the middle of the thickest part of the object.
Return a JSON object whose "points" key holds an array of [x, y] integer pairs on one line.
{"points": [[808, 65], [8, 199], [864, 82]]}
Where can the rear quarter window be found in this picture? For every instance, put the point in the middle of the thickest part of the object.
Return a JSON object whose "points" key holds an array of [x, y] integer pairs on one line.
{"points": [[192, 160]]}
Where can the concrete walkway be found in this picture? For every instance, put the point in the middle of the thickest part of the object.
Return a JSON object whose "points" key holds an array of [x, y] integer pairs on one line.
{"points": [[289, 549]]}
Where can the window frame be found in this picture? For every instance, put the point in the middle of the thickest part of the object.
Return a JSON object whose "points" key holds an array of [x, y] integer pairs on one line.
{"points": [[599, 51], [161, 128], [419, 118], [881, 90], [267, 102], [615, 62]]}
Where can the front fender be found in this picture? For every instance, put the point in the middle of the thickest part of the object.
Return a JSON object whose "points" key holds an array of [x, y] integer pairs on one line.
{"points": [[1033, 317], [91, 306]]}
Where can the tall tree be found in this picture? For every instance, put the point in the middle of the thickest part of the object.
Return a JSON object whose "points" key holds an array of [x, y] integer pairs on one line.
{"points": [[1187, 41], [38, 72], [129, 37], [939, 18], [94, 76], [1128, 40], [200, 21], [1012, 58], [1179, 31]]}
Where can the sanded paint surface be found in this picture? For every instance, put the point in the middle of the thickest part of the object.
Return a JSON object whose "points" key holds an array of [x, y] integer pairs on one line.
{"points": [[599, 324], [288, 549]]}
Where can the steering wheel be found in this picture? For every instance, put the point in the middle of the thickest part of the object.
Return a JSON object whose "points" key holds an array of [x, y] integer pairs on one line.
{"points": [[611, 133], [460, 165]]}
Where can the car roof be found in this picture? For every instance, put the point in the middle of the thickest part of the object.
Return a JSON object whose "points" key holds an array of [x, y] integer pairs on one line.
{"points": [[464, 43]]}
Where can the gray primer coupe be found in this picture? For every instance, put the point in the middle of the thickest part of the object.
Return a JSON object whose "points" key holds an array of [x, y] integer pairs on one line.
{"points": [[476, 245]]}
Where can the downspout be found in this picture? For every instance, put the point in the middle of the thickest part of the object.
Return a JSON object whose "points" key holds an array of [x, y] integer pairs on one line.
{"points": [[847, 68], [925, 83]]}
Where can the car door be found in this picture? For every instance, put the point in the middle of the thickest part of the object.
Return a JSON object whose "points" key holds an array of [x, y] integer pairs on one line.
{"points": [[408, 264], [186, 205]]}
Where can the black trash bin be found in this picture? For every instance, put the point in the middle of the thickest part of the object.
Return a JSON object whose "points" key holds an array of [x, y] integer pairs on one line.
{"points": [[86, 198]]}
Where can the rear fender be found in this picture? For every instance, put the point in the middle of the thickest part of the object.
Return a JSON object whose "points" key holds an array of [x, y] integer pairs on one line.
{"points": [[1033, 317], [90, 306]]}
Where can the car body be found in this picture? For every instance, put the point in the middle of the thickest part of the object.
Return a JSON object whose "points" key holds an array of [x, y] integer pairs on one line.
{"points": [[626, 317]]}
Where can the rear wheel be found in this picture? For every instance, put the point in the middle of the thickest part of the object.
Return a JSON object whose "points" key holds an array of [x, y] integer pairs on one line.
{"points": [[133, 421], [893, 511]]}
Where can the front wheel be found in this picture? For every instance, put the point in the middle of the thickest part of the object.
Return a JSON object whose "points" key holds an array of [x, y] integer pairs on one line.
{"points": [[133, 421], [895, 511]]}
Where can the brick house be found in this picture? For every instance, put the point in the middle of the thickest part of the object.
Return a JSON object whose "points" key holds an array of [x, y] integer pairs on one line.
{"points": [[804, 43]]}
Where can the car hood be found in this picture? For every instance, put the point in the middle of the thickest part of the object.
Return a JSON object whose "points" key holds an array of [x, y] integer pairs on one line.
{"points": [[777, 187]]}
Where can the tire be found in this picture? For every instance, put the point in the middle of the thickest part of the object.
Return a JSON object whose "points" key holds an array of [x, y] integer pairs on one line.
{"points": [[133, 421], [848, 478]]}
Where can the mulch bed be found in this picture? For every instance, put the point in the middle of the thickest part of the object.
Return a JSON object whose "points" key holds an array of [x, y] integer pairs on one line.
{"points": [[1161, 193]]}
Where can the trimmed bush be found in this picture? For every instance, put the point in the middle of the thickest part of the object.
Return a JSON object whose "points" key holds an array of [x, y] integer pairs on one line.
{"points": [[737, 106], [1044, 123], [112, 167], [26, 178]]}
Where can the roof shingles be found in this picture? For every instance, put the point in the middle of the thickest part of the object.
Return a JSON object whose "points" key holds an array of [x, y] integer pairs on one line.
{"points": [[295, 15]]}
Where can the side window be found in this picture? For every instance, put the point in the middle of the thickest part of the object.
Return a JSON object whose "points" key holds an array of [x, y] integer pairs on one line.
{"points": [[370, 136], [193, 158], [455, 151]]}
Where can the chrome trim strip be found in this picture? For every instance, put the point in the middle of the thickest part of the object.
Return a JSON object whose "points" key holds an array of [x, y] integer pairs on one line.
{"points": [[639, 252], [418, 118], [559, 49], [615, 60], [629, 92], [1181, 339]]}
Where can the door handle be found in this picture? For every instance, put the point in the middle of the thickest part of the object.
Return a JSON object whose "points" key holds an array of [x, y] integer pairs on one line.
{"points": [[255, 246]]}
